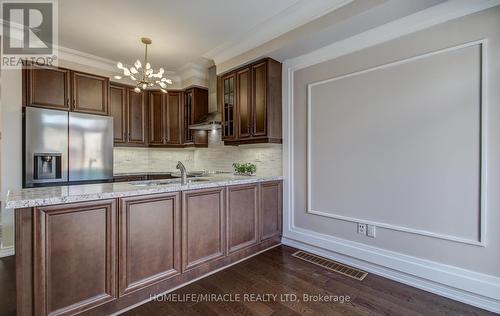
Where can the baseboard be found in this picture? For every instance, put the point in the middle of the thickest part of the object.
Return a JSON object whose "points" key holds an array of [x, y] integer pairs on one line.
{"points": [[330, 248], [7, 251]]}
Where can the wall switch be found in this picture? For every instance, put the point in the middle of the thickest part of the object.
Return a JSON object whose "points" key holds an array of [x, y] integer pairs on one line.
{"points": [[370, 231], [361, 228]]}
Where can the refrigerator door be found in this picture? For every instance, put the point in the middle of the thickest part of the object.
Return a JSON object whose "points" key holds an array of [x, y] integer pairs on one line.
{"points": [[90, 147], [46, 135]]}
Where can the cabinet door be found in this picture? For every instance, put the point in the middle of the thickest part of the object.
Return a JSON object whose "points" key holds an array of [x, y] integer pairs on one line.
{"points": [[228, 107], [271, 199], [48, 87], [118, 110], [173, 117], [188, 115], [90, 93], [137, 119], [259, 99], [156, 118], [242, 216], [150, 240], [203, 229], [244, 103], [74, 257]]}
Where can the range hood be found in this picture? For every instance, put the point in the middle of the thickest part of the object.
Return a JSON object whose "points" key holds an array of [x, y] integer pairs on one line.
{"points": [[210, 122]]}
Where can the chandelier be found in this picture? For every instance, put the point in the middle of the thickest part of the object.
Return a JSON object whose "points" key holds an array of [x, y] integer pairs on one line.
{"points": [[145, 77]]}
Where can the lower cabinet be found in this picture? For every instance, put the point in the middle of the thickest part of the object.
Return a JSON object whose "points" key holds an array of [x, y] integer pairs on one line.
{"points": [[99, 257], [271, 209], [149, 239], [74, 257], [203, 227], [242, 216]]}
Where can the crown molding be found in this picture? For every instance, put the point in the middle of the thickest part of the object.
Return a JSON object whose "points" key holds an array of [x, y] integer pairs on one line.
{"points": [[441, 13], [302, 12], [108, 65]]}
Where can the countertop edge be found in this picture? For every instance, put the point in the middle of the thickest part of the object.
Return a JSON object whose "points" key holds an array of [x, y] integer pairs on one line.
{"points": [[55, 200]]}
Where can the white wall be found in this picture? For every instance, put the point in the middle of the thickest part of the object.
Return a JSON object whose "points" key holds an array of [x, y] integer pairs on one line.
{"points": [[353, 168]]}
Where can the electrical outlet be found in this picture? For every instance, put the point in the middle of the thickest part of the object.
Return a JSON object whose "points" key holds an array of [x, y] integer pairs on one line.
{"points": [[361, 228], [370, 230]]}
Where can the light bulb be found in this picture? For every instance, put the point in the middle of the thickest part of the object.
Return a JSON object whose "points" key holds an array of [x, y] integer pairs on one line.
{"points": [[163, 85], [163, 90], [148, 65], [137, 90], [144, 86], [161, 71], [119, 65], [159, 75], [133, 78], [137, 64], [126, 72], [118, 77], [169, 81], [163, 79], [133, 70]]}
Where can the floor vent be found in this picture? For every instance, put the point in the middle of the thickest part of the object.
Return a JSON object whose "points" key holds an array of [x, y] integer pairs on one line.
{"points": [[331, 265]]}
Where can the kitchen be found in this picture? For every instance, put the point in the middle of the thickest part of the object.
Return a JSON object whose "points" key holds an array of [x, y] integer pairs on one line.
{"points": [[276, 167]]}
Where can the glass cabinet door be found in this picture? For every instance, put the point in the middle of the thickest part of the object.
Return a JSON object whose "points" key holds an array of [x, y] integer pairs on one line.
{"points": [[228, 85]]}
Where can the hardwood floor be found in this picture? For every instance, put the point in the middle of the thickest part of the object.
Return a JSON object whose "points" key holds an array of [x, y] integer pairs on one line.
{"points": [[8, 286], [277, 272]]}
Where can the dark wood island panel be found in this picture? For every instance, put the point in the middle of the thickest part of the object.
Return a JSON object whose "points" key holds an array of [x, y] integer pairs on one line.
{"points": [[103, 256]]}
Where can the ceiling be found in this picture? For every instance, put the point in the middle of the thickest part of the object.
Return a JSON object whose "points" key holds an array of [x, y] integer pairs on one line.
{"points": [[183, 32]]}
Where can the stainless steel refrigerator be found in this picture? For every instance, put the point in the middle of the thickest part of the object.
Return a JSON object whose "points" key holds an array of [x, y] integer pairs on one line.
{"points": [[64, 147]]}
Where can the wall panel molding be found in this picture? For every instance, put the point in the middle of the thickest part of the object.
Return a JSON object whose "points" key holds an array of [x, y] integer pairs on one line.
{"points": [[481, 241]]}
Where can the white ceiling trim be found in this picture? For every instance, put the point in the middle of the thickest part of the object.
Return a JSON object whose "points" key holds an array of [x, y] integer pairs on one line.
{"points": [[300, 13], [438, 14]]}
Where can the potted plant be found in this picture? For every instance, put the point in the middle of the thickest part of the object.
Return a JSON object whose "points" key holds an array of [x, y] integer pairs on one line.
{"points": [[244, 169]]}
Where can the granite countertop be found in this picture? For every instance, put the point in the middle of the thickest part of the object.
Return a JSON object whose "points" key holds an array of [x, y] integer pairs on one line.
{"points": [[88, 192]]}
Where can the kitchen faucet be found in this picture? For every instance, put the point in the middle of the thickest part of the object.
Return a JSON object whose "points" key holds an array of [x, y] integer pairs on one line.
{"points": [[181, 167]]}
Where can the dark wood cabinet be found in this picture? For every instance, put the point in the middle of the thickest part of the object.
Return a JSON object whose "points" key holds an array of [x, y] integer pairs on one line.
{"points": [[137, 118], [173, 122], [195, 108], [118, 110], [244, 111], [242, 216], [98, 257], [271, 209], [90, 93], [74, 257], [259, 99], [157, 118], [165, 118], [228, 107], [203, 227], [64, 89], [256, 113], [47, 87], [150, 240]]}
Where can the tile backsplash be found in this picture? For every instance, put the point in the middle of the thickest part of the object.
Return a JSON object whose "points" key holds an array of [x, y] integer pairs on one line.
{"points": [[216, 157]]}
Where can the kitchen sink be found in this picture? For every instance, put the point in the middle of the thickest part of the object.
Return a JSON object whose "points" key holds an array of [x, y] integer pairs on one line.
{"points": [[150, 183]]}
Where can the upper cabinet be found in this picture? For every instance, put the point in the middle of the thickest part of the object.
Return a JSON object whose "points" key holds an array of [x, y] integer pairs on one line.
{"points": [[90, 93], [228, 107], [165, 118], [63, 89], [251, 102], [129, 112], [47, 87], [195, 109], [118, 110], [137, 118]]}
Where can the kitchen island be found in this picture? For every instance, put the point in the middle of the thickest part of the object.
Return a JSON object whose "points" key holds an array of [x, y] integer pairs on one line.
{"points": [[102, 248]]}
